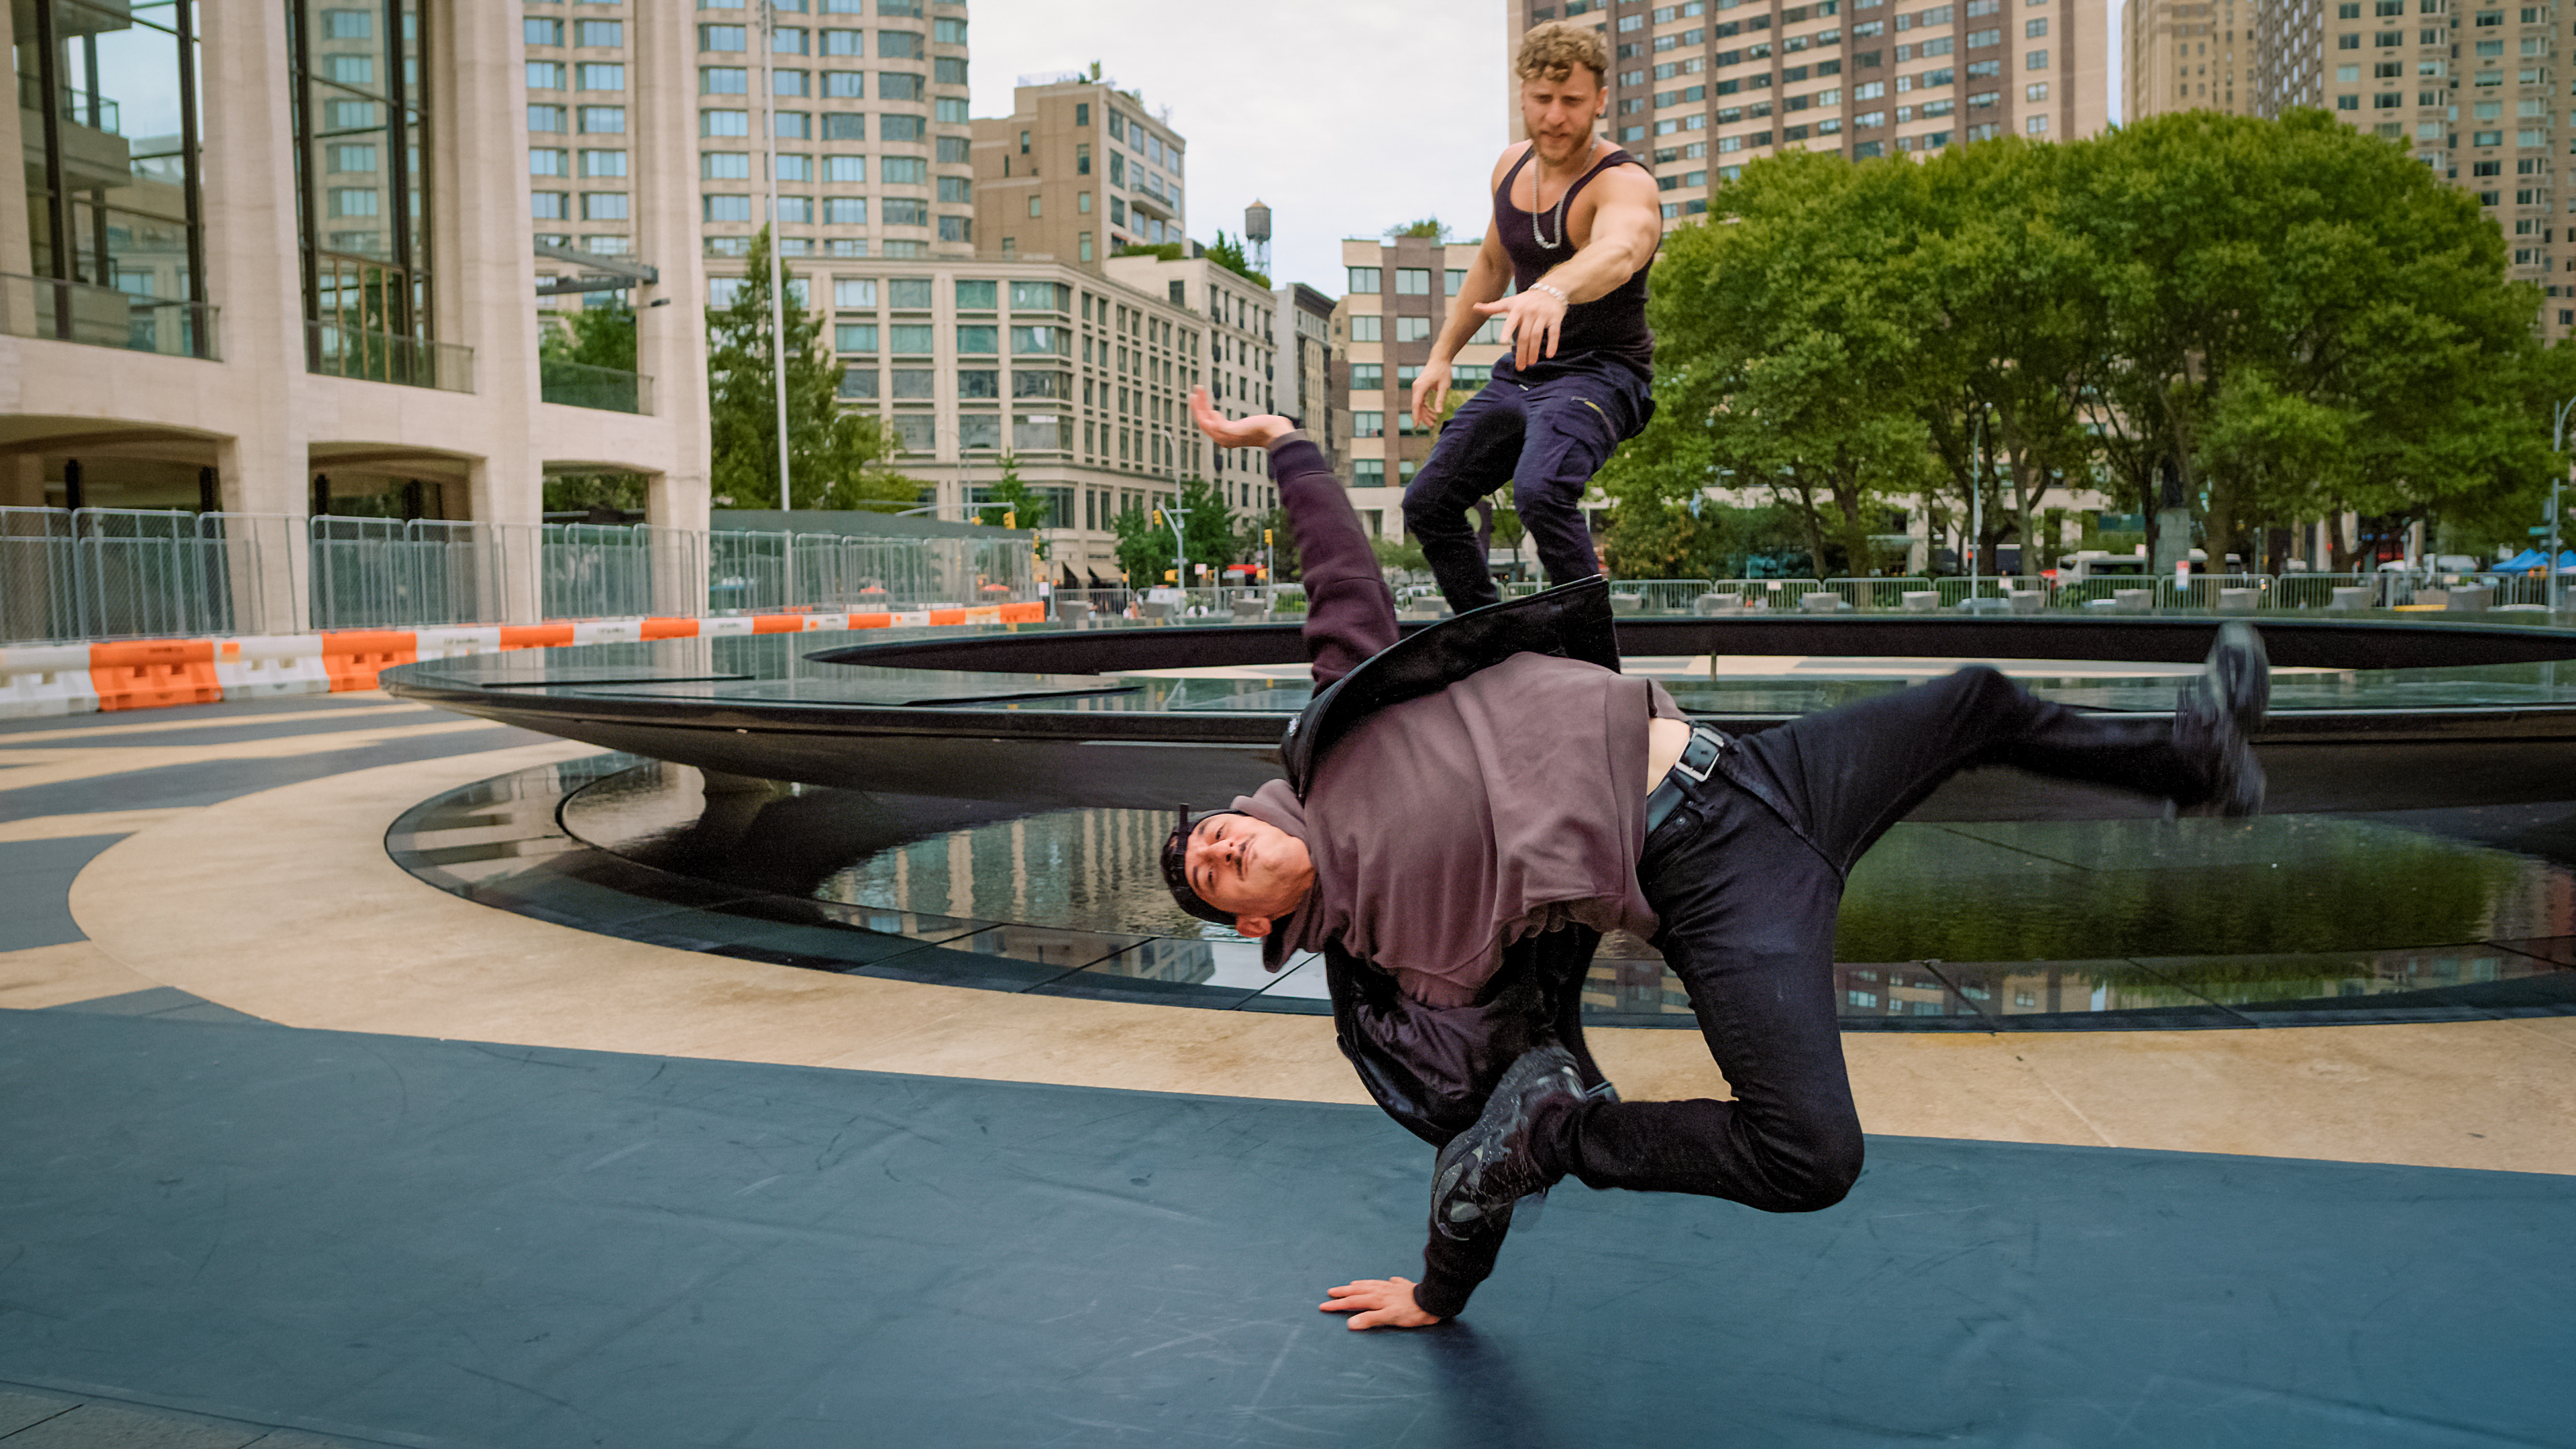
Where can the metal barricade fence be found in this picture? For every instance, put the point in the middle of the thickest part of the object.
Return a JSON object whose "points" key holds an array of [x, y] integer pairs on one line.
{"points": [[1885, 596], [2316, 591], [383, 573], [39, 582]]}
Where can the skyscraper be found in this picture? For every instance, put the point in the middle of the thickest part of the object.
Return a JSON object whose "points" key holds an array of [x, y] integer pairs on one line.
{"points": [[2472, 89], [1077, 171], [2187, 55], [865, 102], [1703, 86]]}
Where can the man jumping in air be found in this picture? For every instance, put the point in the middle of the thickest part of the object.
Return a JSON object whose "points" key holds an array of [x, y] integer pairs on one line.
{"points": [[1482, 786], [1576, 223]]}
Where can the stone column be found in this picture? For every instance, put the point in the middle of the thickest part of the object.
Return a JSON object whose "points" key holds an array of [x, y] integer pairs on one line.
{"points": [[253, 275], [482, 246]]}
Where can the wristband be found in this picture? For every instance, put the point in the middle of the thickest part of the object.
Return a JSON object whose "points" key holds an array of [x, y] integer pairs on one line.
{"points": [[1556, 292]]}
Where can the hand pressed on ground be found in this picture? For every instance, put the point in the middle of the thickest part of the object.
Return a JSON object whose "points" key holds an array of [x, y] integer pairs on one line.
{"points": [[1378, 1303]]}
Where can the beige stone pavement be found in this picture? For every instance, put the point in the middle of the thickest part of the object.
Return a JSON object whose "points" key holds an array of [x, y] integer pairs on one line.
{"points": [[284, 904]]}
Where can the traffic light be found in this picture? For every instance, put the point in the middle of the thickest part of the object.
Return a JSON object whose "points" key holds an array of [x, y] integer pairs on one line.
{"points": [[1158, 518], [1265, 538], [1010, 518]]}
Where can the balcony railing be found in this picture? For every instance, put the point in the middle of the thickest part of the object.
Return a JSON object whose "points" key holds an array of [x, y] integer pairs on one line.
{"points": [[333, 350], [67, 311], [579, 385], [79, 107]]}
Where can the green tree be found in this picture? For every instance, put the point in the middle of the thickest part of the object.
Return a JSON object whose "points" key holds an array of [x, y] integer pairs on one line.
{"points": [[1011, 503], [1786, 351], [836, 456], [1431, 227], [594, 337], [1227, 252], [1145, 541], [2307, 321], [1282, 549]]}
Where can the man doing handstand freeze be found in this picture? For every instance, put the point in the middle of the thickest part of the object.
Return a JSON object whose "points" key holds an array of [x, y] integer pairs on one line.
{"points": [[1436, 832], [1575, 226]]}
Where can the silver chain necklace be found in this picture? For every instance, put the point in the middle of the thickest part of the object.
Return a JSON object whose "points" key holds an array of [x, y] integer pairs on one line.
{"points": [[1538, 175]]}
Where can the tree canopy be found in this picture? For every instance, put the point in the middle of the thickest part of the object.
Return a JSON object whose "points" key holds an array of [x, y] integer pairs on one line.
{"points": [[2293, 318], [835, 456]]}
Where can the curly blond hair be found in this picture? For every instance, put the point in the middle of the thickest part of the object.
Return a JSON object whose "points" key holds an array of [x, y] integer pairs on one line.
{"points": [[1551, 52]]}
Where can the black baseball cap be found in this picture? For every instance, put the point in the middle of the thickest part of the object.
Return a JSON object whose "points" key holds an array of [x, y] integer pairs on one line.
{"points": [[1176, 868]]}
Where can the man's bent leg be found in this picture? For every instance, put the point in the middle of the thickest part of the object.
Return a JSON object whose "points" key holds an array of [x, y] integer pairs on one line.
{"points": [[1747, 922], [1575, 421], [1472, 459]]}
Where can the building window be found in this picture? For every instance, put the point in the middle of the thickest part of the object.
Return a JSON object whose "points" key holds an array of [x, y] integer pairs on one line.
{"points": [[901, 128], [724, 123], [787, 83], [542, 160], [845, 126], [1413, 281], [794, 125], [898, 85], [536, 31], [545, 118], [724, 166], [845, 85], [595, 76], [1364, 280], [1364, 327], [725, 208], [545, 75], [957, 228], [1412, 329], [845, 168], [603, 163], [2036, 60], [845, 211], [845, 42], [603, 206], [723, 80], [787, 40]]}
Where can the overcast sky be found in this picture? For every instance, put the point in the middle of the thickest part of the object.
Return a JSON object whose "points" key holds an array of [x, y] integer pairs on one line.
{"points": [[1346, 116]]}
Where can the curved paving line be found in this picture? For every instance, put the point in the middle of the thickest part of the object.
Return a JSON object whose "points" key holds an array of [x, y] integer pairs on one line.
{"points": [[285, 905]]}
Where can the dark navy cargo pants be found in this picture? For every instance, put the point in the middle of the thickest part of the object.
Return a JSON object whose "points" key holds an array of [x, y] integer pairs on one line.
{"points": [[1547, 435]]}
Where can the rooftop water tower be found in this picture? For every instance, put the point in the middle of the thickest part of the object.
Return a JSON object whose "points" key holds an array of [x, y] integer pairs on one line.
{"points": [[1256, 236]]}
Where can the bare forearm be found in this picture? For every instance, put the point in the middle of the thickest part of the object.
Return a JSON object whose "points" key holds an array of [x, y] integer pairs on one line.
{"points": [[1601, 268]]}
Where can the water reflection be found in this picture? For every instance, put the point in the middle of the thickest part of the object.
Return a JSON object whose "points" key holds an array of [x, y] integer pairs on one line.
{"points": [[2193, 921]]}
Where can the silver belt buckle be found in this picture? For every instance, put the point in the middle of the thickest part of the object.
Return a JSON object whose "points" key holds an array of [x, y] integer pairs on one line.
{"points": [[1682, 765]]}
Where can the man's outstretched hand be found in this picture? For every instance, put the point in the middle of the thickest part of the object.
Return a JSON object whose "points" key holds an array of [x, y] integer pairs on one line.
{"points": [[1253, 432], [1378, 1303]]}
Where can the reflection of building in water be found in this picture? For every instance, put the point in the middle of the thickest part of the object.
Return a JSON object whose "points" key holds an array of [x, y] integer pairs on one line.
{"points": [[1167, 959], [1095, 867]]}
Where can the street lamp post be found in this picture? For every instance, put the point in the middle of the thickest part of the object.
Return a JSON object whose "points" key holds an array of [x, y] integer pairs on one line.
{"points": [[2558, 445], [1180, 548], [777, 269]]}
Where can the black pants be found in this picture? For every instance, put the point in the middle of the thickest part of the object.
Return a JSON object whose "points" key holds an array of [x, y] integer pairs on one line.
{"points": [[1746, 876], [1546, 437]]}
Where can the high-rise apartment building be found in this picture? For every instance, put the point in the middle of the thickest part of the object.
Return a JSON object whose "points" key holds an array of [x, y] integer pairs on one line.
{"points": [[1075, 172], [278, 260], [1306, 363], [2187, 55], [1078, 380], [2474, 89], [1240, 321], [1399, 298], [864, 101], [1700, 87]]}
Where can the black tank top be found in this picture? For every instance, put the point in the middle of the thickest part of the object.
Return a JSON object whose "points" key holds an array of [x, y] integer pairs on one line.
{"points": [[1610, 326]]}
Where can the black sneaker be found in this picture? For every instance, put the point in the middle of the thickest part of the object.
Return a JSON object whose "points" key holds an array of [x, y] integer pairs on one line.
{"points": [[2219, 710], [1490, 1166]]}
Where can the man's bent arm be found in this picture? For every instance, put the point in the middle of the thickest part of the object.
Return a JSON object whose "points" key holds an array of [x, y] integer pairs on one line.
{"points": [[1626, 225], [1349, 613]]}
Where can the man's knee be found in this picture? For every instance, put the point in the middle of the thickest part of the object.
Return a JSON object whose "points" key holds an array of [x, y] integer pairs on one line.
{"points": [[1546, 498], [1818, 1171], [1426, 512]]}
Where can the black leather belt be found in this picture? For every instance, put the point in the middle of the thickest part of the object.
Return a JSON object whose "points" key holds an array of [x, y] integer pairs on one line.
{"points": [[1699, 758]]}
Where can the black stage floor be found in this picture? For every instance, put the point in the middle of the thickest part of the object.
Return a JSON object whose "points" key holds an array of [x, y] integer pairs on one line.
{"points": [[405, 1241]]}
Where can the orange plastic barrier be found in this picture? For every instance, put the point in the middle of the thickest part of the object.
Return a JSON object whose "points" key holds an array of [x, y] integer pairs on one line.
{"points": [[1029, 613], [670, 629], [777, 624], [353, 657], [872, 621], [155, 673], [534, 636], [951, 616]]}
